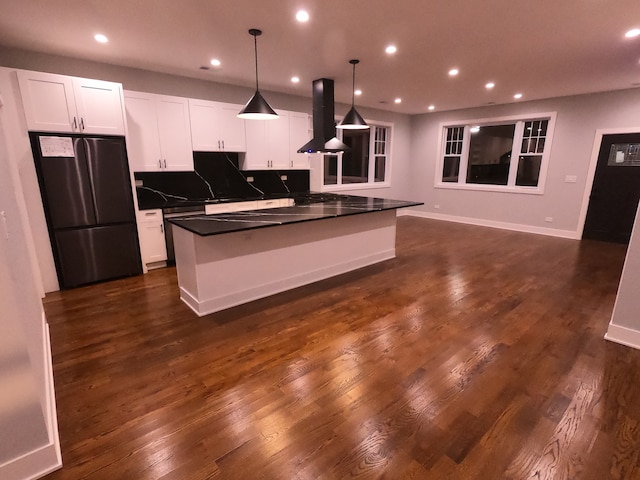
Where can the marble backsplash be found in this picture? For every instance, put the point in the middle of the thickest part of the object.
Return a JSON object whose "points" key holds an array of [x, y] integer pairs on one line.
{"points": [[216, 177]]}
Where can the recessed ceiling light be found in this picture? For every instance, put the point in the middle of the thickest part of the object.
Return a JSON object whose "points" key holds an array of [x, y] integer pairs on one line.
{"points": [[432, 107], [475, 129], [453, 72], [517, 96], [489, 85], [295, 79], [215, 62], [398, 100], [302, 16], [357, 92], [391, 49], [101, 38], [632, 33]]}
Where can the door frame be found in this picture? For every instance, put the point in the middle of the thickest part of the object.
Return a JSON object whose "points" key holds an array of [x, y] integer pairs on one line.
{"points": [[595, 151]]}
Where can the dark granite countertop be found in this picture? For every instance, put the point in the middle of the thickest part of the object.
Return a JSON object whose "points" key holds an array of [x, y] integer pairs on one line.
{"points": [[325, 206]]}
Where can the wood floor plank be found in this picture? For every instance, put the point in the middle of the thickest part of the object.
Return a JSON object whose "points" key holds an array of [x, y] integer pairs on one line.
{"points": [[475, 354]]}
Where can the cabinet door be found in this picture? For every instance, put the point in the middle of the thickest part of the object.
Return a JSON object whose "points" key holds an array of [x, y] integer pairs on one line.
{"points": [[257, 156], [299, 133], [48, 100], [204, 126], [231, 128], [153, 247], [278, 141], [175, 133], [99, 106], [143, 141]]}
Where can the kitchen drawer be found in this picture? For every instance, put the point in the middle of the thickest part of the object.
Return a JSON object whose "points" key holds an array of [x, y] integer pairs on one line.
{"points": [[150, 216]]}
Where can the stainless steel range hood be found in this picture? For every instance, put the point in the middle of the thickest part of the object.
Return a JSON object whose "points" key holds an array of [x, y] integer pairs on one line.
{"points": [[324, 125]]}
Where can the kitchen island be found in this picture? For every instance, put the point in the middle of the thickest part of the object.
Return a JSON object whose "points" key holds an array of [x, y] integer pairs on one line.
{"points": [[227, 259]]}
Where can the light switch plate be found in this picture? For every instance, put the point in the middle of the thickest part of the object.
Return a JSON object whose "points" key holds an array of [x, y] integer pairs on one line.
{"points": [[570, 179]]}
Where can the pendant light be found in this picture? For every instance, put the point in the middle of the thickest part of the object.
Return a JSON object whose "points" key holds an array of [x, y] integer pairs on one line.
{"points": [[353, 120], [257, 108]]}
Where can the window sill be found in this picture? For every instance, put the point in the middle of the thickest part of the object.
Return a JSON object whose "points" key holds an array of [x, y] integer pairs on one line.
{"points": [[491, 188], [354, 186]]}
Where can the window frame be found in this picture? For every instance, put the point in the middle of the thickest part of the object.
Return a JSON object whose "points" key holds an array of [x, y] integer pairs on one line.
{"points": [[371, 168], [511, 187]]}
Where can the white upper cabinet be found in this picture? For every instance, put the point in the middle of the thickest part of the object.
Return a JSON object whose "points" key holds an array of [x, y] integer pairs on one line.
{"points": [[215, 127], [299, 133], [57, 103], [272, 144], [158, 132]]}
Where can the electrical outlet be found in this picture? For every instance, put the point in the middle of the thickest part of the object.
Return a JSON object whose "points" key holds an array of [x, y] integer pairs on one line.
{"points": [[436, 206], [548, 219], [570, 179], [283, 177], [249, 179], [139, 183]]}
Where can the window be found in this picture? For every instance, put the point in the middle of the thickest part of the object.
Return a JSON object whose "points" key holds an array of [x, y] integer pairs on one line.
{"points": [[366, 164], [480, 154]]}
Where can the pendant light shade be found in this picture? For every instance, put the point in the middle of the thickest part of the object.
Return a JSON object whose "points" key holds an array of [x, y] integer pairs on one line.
{"points": [[257, 107], [353, 120]]}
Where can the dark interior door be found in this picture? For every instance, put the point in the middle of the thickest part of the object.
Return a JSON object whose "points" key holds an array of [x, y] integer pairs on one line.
{"points": [[616, 189]]}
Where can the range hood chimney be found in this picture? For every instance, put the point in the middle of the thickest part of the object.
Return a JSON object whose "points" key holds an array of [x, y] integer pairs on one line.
{"points": [[324, 124]]}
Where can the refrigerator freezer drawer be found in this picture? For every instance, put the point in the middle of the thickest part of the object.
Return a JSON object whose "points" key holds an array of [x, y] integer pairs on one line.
{"points": [[93, 254]]}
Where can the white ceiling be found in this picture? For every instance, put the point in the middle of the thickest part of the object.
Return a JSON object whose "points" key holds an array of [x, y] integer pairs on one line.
{"points": [[542, 48]]}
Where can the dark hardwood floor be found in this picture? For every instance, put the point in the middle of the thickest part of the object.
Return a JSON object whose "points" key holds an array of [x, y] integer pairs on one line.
{"points": [[476, 353]]}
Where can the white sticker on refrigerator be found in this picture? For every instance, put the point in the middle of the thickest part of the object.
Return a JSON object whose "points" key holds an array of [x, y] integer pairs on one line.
{"points": [[56, 146]]}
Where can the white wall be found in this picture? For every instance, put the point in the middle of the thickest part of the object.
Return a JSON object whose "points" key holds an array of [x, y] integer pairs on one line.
{"points": [[29, 444], [578, 118], [625, 321]]}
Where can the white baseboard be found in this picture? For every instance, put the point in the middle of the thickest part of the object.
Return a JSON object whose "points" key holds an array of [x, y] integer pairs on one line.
{"points": [[552, 232], [623, 335], [212, 305], [47, 458]]}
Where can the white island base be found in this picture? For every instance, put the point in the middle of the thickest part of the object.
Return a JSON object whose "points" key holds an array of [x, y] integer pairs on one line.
{"points": [[216, 272]]}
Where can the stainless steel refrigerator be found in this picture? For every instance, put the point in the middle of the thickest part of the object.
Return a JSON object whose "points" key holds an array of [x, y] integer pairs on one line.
{"points": [[88, 202]]}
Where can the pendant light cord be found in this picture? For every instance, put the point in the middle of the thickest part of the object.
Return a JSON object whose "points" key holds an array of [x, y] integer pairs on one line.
{"points": [[255, 46], [353, 87]]}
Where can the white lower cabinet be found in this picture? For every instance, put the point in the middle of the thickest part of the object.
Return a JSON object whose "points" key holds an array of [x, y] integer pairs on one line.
{"points": [[152, 242]]}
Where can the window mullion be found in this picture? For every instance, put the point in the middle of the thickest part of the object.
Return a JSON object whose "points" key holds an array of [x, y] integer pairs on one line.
{"points": [[464, 157], [372, 156], [515, 153]]}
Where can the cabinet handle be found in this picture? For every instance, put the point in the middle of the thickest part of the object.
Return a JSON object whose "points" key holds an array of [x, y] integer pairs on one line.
{"points": [[159, 163], [75, 124], [219, 145], [81, 123], [161, 228], [223, 144], [165, 163]]}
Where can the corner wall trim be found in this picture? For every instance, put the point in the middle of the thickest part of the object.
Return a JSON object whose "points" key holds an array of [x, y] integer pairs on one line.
{"points": [[47, 458], [552, 232], [623, 335]]}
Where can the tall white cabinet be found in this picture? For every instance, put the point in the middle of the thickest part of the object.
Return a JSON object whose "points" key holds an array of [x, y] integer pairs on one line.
{"points": [[58, 103], [158, 132]]}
